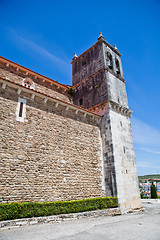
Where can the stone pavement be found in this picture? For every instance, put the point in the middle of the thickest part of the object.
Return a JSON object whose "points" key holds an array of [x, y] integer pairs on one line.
{"points": [[133, 226]]}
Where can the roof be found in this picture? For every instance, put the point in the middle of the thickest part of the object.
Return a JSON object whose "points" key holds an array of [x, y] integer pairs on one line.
{"points": [[34, 74]]}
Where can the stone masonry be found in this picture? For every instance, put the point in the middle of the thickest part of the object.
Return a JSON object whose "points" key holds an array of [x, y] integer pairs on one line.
{"points": [[63, 143], [99, 86], [53, 155]]}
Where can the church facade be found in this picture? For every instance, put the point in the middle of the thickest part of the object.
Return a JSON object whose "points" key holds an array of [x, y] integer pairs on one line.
{"points": [[61, 142]]}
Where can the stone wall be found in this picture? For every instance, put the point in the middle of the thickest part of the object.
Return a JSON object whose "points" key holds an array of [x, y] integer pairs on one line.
{"points": [[100, 82], [92, 91], [54, 155], [89, 80], [94, 61], [108, 156], [115, 55], [50, 89], [125, 162], [117, 90], [60, 152]]}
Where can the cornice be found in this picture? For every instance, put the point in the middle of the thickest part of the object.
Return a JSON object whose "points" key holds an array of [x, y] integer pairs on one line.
{"points": [[35, 75], [120, 109], [85, 52], [33, 93], [102, 108], [113, 49], [94, 74], [99, 41], [99, 105]]}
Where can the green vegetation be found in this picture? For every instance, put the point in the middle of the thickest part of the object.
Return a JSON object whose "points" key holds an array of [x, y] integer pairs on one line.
{"points": [[9, 211], [71, 91], [153, 176], [153, 191], [141, 191]]}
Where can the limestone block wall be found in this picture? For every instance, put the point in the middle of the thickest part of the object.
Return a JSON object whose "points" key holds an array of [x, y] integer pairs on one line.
{"points": [[125, 163], [117, 90], [50, 89], [110, 180], [52, 155]]}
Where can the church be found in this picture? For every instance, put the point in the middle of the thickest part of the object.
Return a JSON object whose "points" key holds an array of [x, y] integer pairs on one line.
{"points": [[61, 142]]}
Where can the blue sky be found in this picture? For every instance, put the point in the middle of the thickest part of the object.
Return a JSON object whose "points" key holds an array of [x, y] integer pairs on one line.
{"points": [[43, 36]]}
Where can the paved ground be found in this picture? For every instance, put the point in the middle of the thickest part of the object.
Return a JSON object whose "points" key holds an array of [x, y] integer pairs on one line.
{"points": [[133, 226]]}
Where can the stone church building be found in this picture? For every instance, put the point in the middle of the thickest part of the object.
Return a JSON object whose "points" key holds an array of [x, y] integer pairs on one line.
{"points": [[61, 142]]}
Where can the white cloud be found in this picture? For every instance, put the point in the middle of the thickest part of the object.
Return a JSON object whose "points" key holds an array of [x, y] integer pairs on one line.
{"points": [[145, 134], [150, 151], [147, 147], [62, 63], [42, 51]]}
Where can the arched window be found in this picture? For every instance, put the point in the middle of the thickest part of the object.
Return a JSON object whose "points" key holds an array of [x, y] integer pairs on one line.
{"points": [[109, 60], [117, 66]]}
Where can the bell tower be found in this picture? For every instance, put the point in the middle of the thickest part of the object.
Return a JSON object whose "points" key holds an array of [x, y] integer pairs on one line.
{"points": [[99, 85]]}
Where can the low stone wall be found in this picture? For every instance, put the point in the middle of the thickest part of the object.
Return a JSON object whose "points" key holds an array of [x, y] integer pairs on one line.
{"points": [[58, 218]]}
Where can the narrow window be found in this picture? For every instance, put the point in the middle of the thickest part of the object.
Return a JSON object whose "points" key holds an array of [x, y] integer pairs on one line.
{"points": [[83, 61], [109, 60], [124, 149], [80, 101], [21, 110], [118, 100], [117, 66], [121, 123]]}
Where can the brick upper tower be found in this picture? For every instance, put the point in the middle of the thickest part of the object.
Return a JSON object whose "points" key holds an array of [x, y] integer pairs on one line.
{"points": [[99, 86]]}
